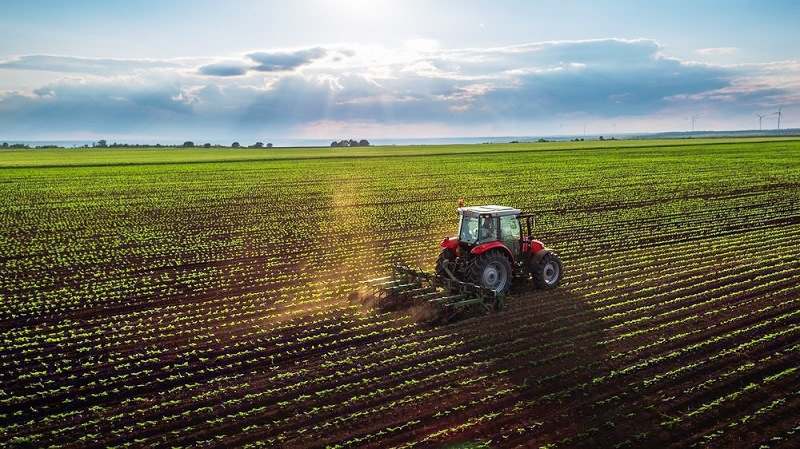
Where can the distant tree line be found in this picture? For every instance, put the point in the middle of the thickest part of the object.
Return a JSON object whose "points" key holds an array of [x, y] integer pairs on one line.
{"points": [[350, 143], [25, 146], [104, 144], [190, 144], [15, 145], [187, 144]]}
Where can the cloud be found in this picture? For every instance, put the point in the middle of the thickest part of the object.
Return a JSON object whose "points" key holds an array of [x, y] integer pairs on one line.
{"points": [[230, 68], [717, 51], [525, 88], [72, 64], [271, 61], [97, 107], [618, 54], [276, 61]]}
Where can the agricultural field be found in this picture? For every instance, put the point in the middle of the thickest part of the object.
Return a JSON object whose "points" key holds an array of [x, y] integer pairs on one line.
{"points": [[203, 298]]}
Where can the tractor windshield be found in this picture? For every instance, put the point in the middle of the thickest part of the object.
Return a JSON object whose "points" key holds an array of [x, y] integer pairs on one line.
{"points": [[468, 230], [474, 229]]}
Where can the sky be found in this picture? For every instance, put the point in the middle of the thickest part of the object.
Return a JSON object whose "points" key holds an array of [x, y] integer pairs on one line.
{"points": [[147, 70]]}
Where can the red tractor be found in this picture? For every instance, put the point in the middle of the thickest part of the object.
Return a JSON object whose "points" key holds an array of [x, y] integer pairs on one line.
{"points": [[491, 250], [476, 269]]}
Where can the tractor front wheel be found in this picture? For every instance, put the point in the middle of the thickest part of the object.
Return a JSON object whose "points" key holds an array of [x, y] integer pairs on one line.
{"points": [[491, 270], [547, 271]]}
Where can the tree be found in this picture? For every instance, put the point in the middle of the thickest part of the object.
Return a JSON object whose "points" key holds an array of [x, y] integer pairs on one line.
{"points": [[206, 145], [101, 143], [188, 144], [235, 145], [258, 145], [350, 143], [5, 144], [269, 145]]}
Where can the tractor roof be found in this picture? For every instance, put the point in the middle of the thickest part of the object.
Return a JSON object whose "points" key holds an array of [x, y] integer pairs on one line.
{"points": [[494, 211]]}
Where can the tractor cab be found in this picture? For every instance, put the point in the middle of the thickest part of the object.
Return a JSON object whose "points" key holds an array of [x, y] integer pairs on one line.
{"points": [[486, 224], [480, 225]]}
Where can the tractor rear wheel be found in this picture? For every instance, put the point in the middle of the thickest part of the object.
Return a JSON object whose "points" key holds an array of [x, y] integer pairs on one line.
{"points": [[491, 270], [547, 272]]}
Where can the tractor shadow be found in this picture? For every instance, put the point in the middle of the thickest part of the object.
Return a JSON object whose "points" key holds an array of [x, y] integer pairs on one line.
{"points": [[548, 348], [549, 331]]}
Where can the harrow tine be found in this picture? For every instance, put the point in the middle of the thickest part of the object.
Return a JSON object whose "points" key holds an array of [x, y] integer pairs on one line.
{"points": [[420, 291], [388, 283], [427, 296], [402, 286], [379, 280], [448, 299]]}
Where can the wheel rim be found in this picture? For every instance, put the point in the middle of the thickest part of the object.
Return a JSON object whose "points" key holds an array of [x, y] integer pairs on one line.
{"points": [[494, 276], [551, 272]]}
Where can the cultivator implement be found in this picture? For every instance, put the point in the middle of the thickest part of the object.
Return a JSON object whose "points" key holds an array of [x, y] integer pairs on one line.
{"points": [[435, 298]]}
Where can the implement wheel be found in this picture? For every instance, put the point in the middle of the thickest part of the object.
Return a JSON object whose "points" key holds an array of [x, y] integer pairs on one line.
{"points": [[547, 271], [491, 270], [445, 262]]}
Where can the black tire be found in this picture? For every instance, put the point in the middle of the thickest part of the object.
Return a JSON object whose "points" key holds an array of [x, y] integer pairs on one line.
{"points": [[482, 269], [446, 259], [547, 271]]}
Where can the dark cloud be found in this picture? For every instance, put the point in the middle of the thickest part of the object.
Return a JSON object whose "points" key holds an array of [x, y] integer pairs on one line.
{"points": [[98, 107], [271, 61], [276, 61], [603, 90], [223, 69]]}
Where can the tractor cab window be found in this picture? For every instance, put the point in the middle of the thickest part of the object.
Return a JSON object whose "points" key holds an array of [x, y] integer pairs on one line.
{"points": [[468, 232], [488, 228], [510, 233], [509, 228], [478, 229]]}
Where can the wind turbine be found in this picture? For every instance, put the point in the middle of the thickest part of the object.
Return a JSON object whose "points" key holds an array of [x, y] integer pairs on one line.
{"points": [[694, 119], [778, 113], [760, 118]]}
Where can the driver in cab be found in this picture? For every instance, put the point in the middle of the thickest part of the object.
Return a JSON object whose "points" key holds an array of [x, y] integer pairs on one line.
{"points": [[488, 231]]}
